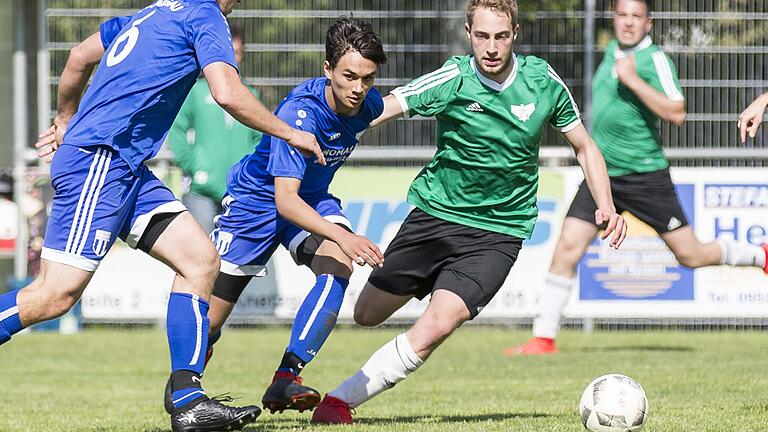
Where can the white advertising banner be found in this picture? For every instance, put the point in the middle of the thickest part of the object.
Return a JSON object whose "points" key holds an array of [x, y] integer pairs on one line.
{"points": [[642, 279]]}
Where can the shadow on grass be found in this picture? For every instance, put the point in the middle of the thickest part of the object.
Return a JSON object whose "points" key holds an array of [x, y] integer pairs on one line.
{"points": [[638, 348], [277, 423]]}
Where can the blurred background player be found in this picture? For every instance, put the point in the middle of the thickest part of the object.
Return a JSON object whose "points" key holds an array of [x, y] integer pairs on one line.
{"points": [[206, 141], [752, 117], [277, 196], [148, 62], [634, 87], [475, 201]]}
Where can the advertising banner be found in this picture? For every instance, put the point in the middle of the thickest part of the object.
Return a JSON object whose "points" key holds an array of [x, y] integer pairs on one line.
{"points": [[642, 279]]}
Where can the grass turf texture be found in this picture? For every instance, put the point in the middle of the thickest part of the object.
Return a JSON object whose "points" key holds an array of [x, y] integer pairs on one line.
{"points": [[112, 380]]}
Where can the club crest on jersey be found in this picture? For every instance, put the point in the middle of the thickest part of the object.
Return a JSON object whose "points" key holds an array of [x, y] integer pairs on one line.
{"points": [[523, 112], [101, 242], [223, 240]]}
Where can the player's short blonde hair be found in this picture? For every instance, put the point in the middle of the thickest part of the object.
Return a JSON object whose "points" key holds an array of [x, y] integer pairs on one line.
{"points": [[507, 7]]}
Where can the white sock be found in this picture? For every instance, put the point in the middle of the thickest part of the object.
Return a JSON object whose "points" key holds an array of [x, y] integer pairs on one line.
{"points": [[386, 367], [741, 254], [552, 299]]}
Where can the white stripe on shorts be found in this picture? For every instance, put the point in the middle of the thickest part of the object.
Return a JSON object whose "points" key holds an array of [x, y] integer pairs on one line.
{"points": [[79, 206]]}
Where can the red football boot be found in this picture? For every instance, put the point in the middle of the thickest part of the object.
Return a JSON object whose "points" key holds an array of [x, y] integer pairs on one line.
{"points": [[534, 346], [332, 411]]}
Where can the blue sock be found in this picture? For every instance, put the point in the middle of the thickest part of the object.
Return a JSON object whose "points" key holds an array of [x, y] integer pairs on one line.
{"points": [[10, 324], [187, 326], [315, 320]]}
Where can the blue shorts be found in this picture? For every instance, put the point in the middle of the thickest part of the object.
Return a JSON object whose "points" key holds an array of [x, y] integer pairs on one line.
{"points": [[98, 199], [246, 236]]}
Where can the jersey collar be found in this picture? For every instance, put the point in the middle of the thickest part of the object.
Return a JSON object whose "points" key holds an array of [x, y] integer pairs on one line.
{"points": [[645, 43], [499, 87]]}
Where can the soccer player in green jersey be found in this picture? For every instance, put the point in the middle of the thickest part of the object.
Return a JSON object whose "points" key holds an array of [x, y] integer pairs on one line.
{"points": [[475, 201], [634, 86], [752, 117]]}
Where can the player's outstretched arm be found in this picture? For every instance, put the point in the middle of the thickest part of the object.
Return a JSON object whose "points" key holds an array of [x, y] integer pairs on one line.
{"points": [[239, 101], [667, 109], [596, 175], [83, 57], [750, 119], [392, 110], [290, 206]]}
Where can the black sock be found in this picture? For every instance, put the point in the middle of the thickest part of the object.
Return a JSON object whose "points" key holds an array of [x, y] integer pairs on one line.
{"points": [[291, 363], [186, 387]]}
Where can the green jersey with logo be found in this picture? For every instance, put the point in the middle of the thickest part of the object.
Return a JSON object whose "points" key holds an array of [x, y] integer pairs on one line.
{"points": [[627, 131], [485, 171]]}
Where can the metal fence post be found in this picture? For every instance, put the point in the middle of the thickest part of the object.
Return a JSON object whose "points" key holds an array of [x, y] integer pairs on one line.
{"points": [[43, 70], [20, 136], [589, 58]]}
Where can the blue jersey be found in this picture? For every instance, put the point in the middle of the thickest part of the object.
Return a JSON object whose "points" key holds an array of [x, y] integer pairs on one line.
{"points": [[252, 180], [151, 62]]}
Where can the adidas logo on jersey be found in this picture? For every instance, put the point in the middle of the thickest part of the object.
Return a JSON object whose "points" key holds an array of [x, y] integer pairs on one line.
{"points": [[474, 107], [674, 223]]}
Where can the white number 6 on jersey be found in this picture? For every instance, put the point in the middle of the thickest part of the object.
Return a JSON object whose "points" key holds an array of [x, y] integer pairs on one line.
{"points": [[130, 38]]}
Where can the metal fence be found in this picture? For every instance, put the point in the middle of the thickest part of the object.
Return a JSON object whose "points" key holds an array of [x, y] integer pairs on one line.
{"points": [[719, 48]]}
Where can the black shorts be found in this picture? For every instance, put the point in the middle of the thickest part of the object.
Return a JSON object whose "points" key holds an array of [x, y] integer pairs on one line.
{"points": [[429, 253], [650, 197]]}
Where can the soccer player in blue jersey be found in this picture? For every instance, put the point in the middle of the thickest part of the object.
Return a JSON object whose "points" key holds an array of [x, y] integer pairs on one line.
{"points": [[277, 196], [148, 62]]}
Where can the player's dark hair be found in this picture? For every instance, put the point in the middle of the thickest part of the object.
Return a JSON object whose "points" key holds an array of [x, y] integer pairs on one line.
{"points": [[237, 32], [648, 5], [506, 7], [351, 34]]}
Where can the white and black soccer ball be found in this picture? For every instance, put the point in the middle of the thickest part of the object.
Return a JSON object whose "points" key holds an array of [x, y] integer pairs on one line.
{"points": [[613, 403]]}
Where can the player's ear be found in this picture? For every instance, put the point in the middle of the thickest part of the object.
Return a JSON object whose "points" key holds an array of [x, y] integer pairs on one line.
{"points": [[327, 69], [467, 29], [515, 32]]}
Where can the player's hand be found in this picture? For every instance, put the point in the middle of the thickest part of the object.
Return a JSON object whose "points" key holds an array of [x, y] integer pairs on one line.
{"points": [[49, 140], [307, 145], [361, 250], [626, 69], [615, 225], [751, 118]]}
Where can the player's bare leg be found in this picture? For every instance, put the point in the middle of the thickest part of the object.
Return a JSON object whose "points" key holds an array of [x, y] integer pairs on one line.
{"points": [[374, 306], [575, 237], [394, 361], [692, 253], [314, 322], [52, 294], [185, 247]]}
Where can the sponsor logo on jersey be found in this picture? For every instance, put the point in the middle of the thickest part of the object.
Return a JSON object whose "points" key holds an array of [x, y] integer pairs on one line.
{"points": [[523, 112], [223, 241], [474, 107], [335, 136], [674, 223], [735, 196], [101, 242], [337, 156]]}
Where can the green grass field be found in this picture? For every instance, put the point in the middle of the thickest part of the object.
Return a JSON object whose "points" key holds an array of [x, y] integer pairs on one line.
{"points": [[109, 380]]}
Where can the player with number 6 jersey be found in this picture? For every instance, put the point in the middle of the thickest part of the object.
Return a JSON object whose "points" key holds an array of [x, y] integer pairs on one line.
{"points": [[148, 63]]}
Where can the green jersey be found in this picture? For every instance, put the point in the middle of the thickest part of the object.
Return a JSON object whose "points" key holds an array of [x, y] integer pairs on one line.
{"points": [[206, 141], [485, 171], [627, 131]]}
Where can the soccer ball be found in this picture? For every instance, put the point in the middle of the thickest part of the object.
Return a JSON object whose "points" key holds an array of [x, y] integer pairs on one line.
{"points": [[613, 403]]}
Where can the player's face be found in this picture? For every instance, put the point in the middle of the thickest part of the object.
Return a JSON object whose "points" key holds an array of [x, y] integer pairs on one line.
{"points": [[631, 22], [351, 80], [227, 5], [492, 37], [239, 47]]}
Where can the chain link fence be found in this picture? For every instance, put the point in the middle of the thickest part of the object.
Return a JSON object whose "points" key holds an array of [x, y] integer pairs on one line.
{"points": [[719, 48]]}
